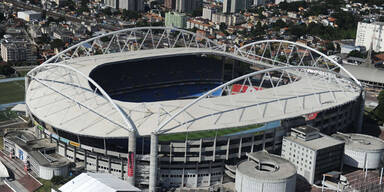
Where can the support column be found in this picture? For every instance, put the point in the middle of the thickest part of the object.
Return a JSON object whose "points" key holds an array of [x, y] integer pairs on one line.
{"points": [[360, 116], [240, 146], [153, 163], [85, 160], [97, 163], [131, 164], [122, 168], [74, 153], [109, 164], [65, 150]]}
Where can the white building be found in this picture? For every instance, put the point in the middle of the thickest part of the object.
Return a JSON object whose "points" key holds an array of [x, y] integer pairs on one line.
{"points": [[207, 13], [112, 3], [312, 153], [92, 182], [259, 2], [229, 20], [370, 34], [29, 15]]}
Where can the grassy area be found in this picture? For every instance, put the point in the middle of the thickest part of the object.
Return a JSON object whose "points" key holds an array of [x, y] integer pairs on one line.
{"points": [[11, 92], [47, 185], [204, 134], [56, 182], [23, 73]]}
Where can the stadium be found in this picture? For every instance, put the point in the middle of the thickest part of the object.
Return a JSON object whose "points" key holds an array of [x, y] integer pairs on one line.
{"points": [[163, 107]]}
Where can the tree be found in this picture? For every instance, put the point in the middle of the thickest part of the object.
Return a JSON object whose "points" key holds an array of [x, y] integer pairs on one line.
{"points": [[197, 12], [223, 27], [298, 30], [57, 43], [329, 46], [379, 110], [130, 14], [358, 54], [107, 11], [6, 70], [1, 16]]}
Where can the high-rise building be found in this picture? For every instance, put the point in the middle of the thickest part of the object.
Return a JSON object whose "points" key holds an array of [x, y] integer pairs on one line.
{"points": [[290, 1], [170, 4], [185, 6], [207, 12], [173, 19], [259, 2], [235, 6], [131, 5], [112, 3], [312, 153], [370, 35]]}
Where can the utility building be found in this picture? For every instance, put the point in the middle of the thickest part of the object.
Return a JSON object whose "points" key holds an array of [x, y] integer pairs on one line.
{"points": [[312, 153]]}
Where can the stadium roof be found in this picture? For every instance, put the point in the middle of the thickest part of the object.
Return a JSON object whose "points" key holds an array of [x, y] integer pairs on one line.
{"points": [[97, 182], [59, 91], [281, 102]]}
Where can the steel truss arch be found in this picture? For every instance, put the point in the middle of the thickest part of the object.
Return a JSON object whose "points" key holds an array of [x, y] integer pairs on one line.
{"points": [[265, 51], [293, 74], [43, 75], [134, 39]]}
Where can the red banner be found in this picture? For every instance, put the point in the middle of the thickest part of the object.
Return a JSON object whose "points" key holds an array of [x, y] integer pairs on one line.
{"points": [[131, 163], [237, 88]]}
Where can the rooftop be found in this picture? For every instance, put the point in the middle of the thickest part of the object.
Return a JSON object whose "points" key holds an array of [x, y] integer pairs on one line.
{"points": [[263, 166], [36, 148], [91, 182], [321, 142], [360, 142], [55, 109]]}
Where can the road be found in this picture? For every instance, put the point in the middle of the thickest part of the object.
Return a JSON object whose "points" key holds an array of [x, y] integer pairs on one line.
{"points": [[12, 79]]}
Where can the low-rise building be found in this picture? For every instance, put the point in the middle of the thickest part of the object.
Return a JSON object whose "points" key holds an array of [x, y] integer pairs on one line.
{"points": [[29, 15], [312, 152], [17, 50], [37, 154], [90, 182]]}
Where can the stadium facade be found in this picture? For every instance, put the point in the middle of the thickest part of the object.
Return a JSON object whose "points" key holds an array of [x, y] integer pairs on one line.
{"points": [[163, 107]]}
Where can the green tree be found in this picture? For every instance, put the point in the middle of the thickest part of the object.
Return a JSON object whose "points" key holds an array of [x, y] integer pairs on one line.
{"points": [[379, 110], [197, 12], [6, 70], [223, 27], [329, 46], [130, 14], [1, 16], [298, 30], [57, 43], [358, 54], [107, 11]]}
